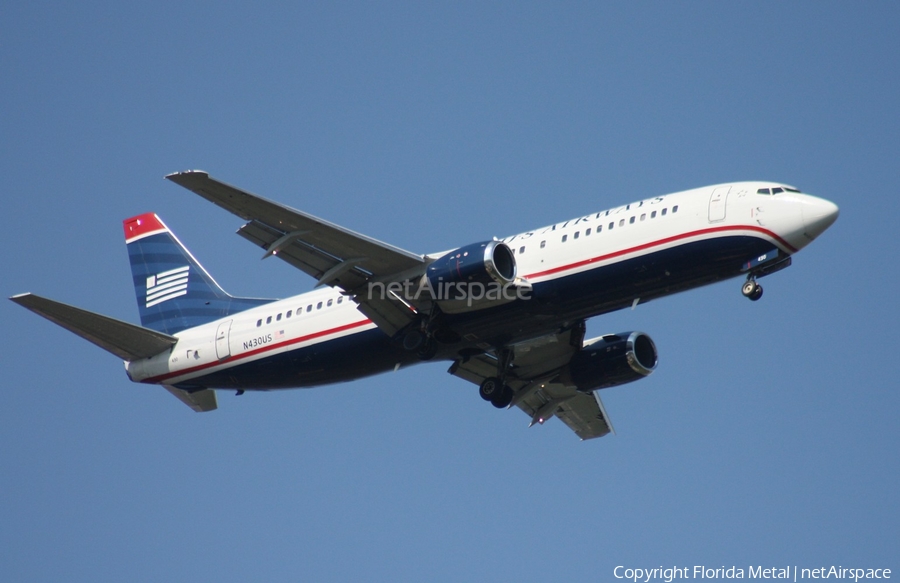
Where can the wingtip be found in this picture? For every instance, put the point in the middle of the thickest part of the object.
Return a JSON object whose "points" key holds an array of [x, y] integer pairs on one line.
{"points": [[174, 176], [16, 298]]}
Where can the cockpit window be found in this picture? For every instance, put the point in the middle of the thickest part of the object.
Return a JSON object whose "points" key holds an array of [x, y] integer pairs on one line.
{"points": [[776, 190]]}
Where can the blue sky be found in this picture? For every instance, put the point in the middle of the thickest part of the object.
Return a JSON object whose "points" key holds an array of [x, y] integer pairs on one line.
{"points": [[768, 435]]}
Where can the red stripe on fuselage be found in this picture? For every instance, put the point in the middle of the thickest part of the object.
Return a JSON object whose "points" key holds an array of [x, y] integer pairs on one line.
{"points": [[665, 241], [245, 355], [230, 359]]}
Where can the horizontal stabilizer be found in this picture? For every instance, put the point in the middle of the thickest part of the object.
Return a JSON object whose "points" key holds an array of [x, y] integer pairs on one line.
{"points": [[200, 401], [127, 341]]}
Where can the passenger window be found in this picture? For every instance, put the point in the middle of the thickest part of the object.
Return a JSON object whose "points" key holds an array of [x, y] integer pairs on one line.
{"points": [[611, 225], [675, 209], [288, 315], [319, 306], [622, 223], [259, 323], [269, 320], [653, 215], [576, 234], [309, 308], [564, 238], [587, 232], [663, 213], [278, 318], [631, 221], [521, 250], [643, 216], [340, 299], [329, 303], [543, 244]]}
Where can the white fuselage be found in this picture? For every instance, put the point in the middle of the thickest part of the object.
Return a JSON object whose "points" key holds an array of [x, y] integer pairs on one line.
{"points": [[787, 220]]}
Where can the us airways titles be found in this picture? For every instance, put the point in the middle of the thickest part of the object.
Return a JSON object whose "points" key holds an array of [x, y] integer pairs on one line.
{"points": [[588, 218]]}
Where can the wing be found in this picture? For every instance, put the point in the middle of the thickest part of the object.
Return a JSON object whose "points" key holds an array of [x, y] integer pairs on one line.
{"points": [[330, 253], [534, 378]]}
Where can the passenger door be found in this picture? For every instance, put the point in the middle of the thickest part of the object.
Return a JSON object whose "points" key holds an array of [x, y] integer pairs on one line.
{"points": [[223, 333], [717, 202]]}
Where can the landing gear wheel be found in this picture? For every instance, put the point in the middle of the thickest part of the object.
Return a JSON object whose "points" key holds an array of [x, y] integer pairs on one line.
{"points": [[752, 290], [414, 340], [491, 388], [758, 294], [504, 398], [494, 389], [428, 350]]}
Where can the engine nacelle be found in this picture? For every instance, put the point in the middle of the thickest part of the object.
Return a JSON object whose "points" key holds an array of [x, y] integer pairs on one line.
{"points": [[488, 262], [473, 277], [611, 360]]}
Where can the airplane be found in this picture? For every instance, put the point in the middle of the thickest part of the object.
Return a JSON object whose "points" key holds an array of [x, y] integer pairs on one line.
{"points": [[508, 314]]}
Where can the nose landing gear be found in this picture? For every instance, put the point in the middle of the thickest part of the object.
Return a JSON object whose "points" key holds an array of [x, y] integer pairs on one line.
{"points": [[751, 289]]}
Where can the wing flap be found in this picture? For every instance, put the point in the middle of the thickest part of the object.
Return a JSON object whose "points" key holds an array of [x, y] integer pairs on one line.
{"points": [[390, 315], [581, 412], [304, 257], [536, 388], [585, 416], [127, 341]]}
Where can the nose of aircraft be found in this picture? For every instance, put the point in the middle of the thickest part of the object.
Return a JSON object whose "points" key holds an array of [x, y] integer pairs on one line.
{"points": [[818, 214]]}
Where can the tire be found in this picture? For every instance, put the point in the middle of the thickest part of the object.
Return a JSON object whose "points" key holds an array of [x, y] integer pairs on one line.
{"points": [[413, 340], [757, 294], [504, 398], [749, 288], [490, 389], [428, 350]]}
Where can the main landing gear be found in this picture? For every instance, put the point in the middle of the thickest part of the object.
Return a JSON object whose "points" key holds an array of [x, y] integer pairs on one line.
{"points": [[494, 389], [421, 343], [751, 289], [422, 337]]}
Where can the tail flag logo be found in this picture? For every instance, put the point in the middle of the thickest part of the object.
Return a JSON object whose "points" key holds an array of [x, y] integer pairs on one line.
{"points": [[167, 285]]}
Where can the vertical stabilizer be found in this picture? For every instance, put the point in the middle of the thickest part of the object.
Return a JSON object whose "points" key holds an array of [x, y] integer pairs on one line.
{"points": [[173, 290]]}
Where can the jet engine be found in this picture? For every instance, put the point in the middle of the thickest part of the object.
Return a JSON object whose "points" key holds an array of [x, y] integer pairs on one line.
{"points": [[611, 360], [488, 262], [473, 277]]}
